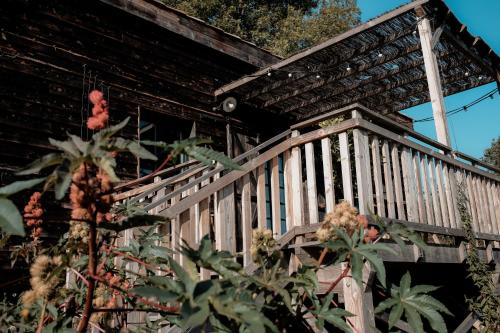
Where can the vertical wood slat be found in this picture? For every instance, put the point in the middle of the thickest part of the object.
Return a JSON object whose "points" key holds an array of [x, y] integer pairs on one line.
{"points": [[296, 175], [485, 205], [398, 185], [454, 176], [442, 195], [389, 186], [246, 219], [175, 226], [261, 197], [491, 205], [434, 192], [287, 160], [447, 178], [418, 183], [377, 175], [363, 169], [429, 206], [479, 204], [495, 189], [326, 152], [275, 197], [472, 202], [311, 184], [345, 164], [409, 185]]}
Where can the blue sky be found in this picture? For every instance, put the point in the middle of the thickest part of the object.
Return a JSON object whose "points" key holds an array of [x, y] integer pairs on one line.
{"points": [[472, 131]]}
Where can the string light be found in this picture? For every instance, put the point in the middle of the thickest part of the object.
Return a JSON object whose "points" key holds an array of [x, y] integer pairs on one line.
{"points": [[466, 73], [466, 107], [269, 73], [348, 68], [289, 74], [380, 55], [318, 76]]}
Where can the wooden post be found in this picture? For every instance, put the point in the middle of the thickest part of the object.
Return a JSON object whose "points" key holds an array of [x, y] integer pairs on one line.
{"points": [[363, 169], [326, 154], [359, 300], [312, 198], [433, 78], [296, 175], [345, 163]]}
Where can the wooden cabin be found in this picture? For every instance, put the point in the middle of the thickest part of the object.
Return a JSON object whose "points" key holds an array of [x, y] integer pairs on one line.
{"points": [[165, 68]]}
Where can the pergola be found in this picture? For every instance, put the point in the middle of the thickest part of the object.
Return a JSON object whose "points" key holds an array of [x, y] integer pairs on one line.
{"points": [[417, 53]]}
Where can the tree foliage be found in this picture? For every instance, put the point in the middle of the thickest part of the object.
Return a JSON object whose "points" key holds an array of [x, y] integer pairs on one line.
{"points": [[492, 154], [283, 27]]}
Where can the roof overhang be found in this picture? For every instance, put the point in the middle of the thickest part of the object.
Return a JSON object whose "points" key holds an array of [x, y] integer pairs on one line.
{"points": [[378, 64]]}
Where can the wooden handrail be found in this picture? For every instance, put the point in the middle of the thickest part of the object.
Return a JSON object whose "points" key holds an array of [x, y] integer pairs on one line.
{"points": [[198, 180]]}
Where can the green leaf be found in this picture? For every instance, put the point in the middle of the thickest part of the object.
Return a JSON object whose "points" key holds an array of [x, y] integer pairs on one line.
{"points": [[108, 164], [208, 156], [19, 186], [140, 152], [11, 220], [83, 146], [42, 163], [110, 131], [66, 146], [161, 295], [62, 183]]}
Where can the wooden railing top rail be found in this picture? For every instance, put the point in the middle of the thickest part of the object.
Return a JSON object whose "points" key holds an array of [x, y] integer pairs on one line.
{"points": [[232, 176], [395, 126]]}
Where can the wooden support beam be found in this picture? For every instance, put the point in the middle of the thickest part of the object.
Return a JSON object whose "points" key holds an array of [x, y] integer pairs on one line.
{"points": [[433, 78], [467, 324], [358, 300], [345, 163], [363, 169]]}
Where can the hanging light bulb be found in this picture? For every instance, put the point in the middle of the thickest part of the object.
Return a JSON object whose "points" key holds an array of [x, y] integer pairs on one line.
{"points": [[466, 73], [348, 68], [318, 76], [380, 55], [289, 74], [269, 73], [480, 78]]}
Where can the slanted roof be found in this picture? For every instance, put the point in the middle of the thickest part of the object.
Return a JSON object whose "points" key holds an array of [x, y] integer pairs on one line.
{"points": [[197, 30], [378, 64]]}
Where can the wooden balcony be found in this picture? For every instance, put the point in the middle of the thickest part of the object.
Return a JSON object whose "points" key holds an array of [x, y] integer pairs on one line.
{"points": [[289, 182]]}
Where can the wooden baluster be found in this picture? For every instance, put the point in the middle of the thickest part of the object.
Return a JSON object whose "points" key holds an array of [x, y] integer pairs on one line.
{"points": [[435, 198], [345, 164], [429, 209], [409, 185], [389, 186], [450, 203], [312, 198], [377, 176], [479, 203], [398, 185], [296, 175], [454, 173], [326, 152], [472, 202], [491, 206], [261, 197], [175, 225], [275, 197], [203, 219], [363, 169], [488, 218], [287, 157], [246, 219], [418, 183], [495, 188], [442, 195]]}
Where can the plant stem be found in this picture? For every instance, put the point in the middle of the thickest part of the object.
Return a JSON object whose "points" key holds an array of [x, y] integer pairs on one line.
{"points": [[42, 316], [338, 279]]}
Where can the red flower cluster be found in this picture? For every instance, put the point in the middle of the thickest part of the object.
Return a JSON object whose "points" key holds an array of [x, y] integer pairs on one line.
{"points": [[100, 114], [32, 214]]}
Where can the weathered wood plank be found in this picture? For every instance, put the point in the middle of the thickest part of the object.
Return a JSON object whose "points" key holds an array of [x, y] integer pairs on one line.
{"points": [[419, 187], [389, 187], [287, 161], [296, 174], [409, 185], [312, 196], [261, 197], [429, 209], [377, 175], [345, 163], [472, 201], [326, 152], [441, 193], [434, 192], [275, 197], [398, 185], [246, 219]]}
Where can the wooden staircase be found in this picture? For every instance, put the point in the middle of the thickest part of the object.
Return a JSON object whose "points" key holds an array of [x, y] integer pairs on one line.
{"points": [[289, 182]]}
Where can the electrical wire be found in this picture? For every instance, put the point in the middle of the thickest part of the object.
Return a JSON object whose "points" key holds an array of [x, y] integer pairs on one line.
{"points": [[463, 108]]}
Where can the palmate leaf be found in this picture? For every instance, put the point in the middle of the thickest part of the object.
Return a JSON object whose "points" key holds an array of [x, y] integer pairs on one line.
{"points": [[11, 220], [42, 163], [19, 186], [414, 303], [68, 147], [208, 157], [397, 231], [357, 252], [110, 131]]}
